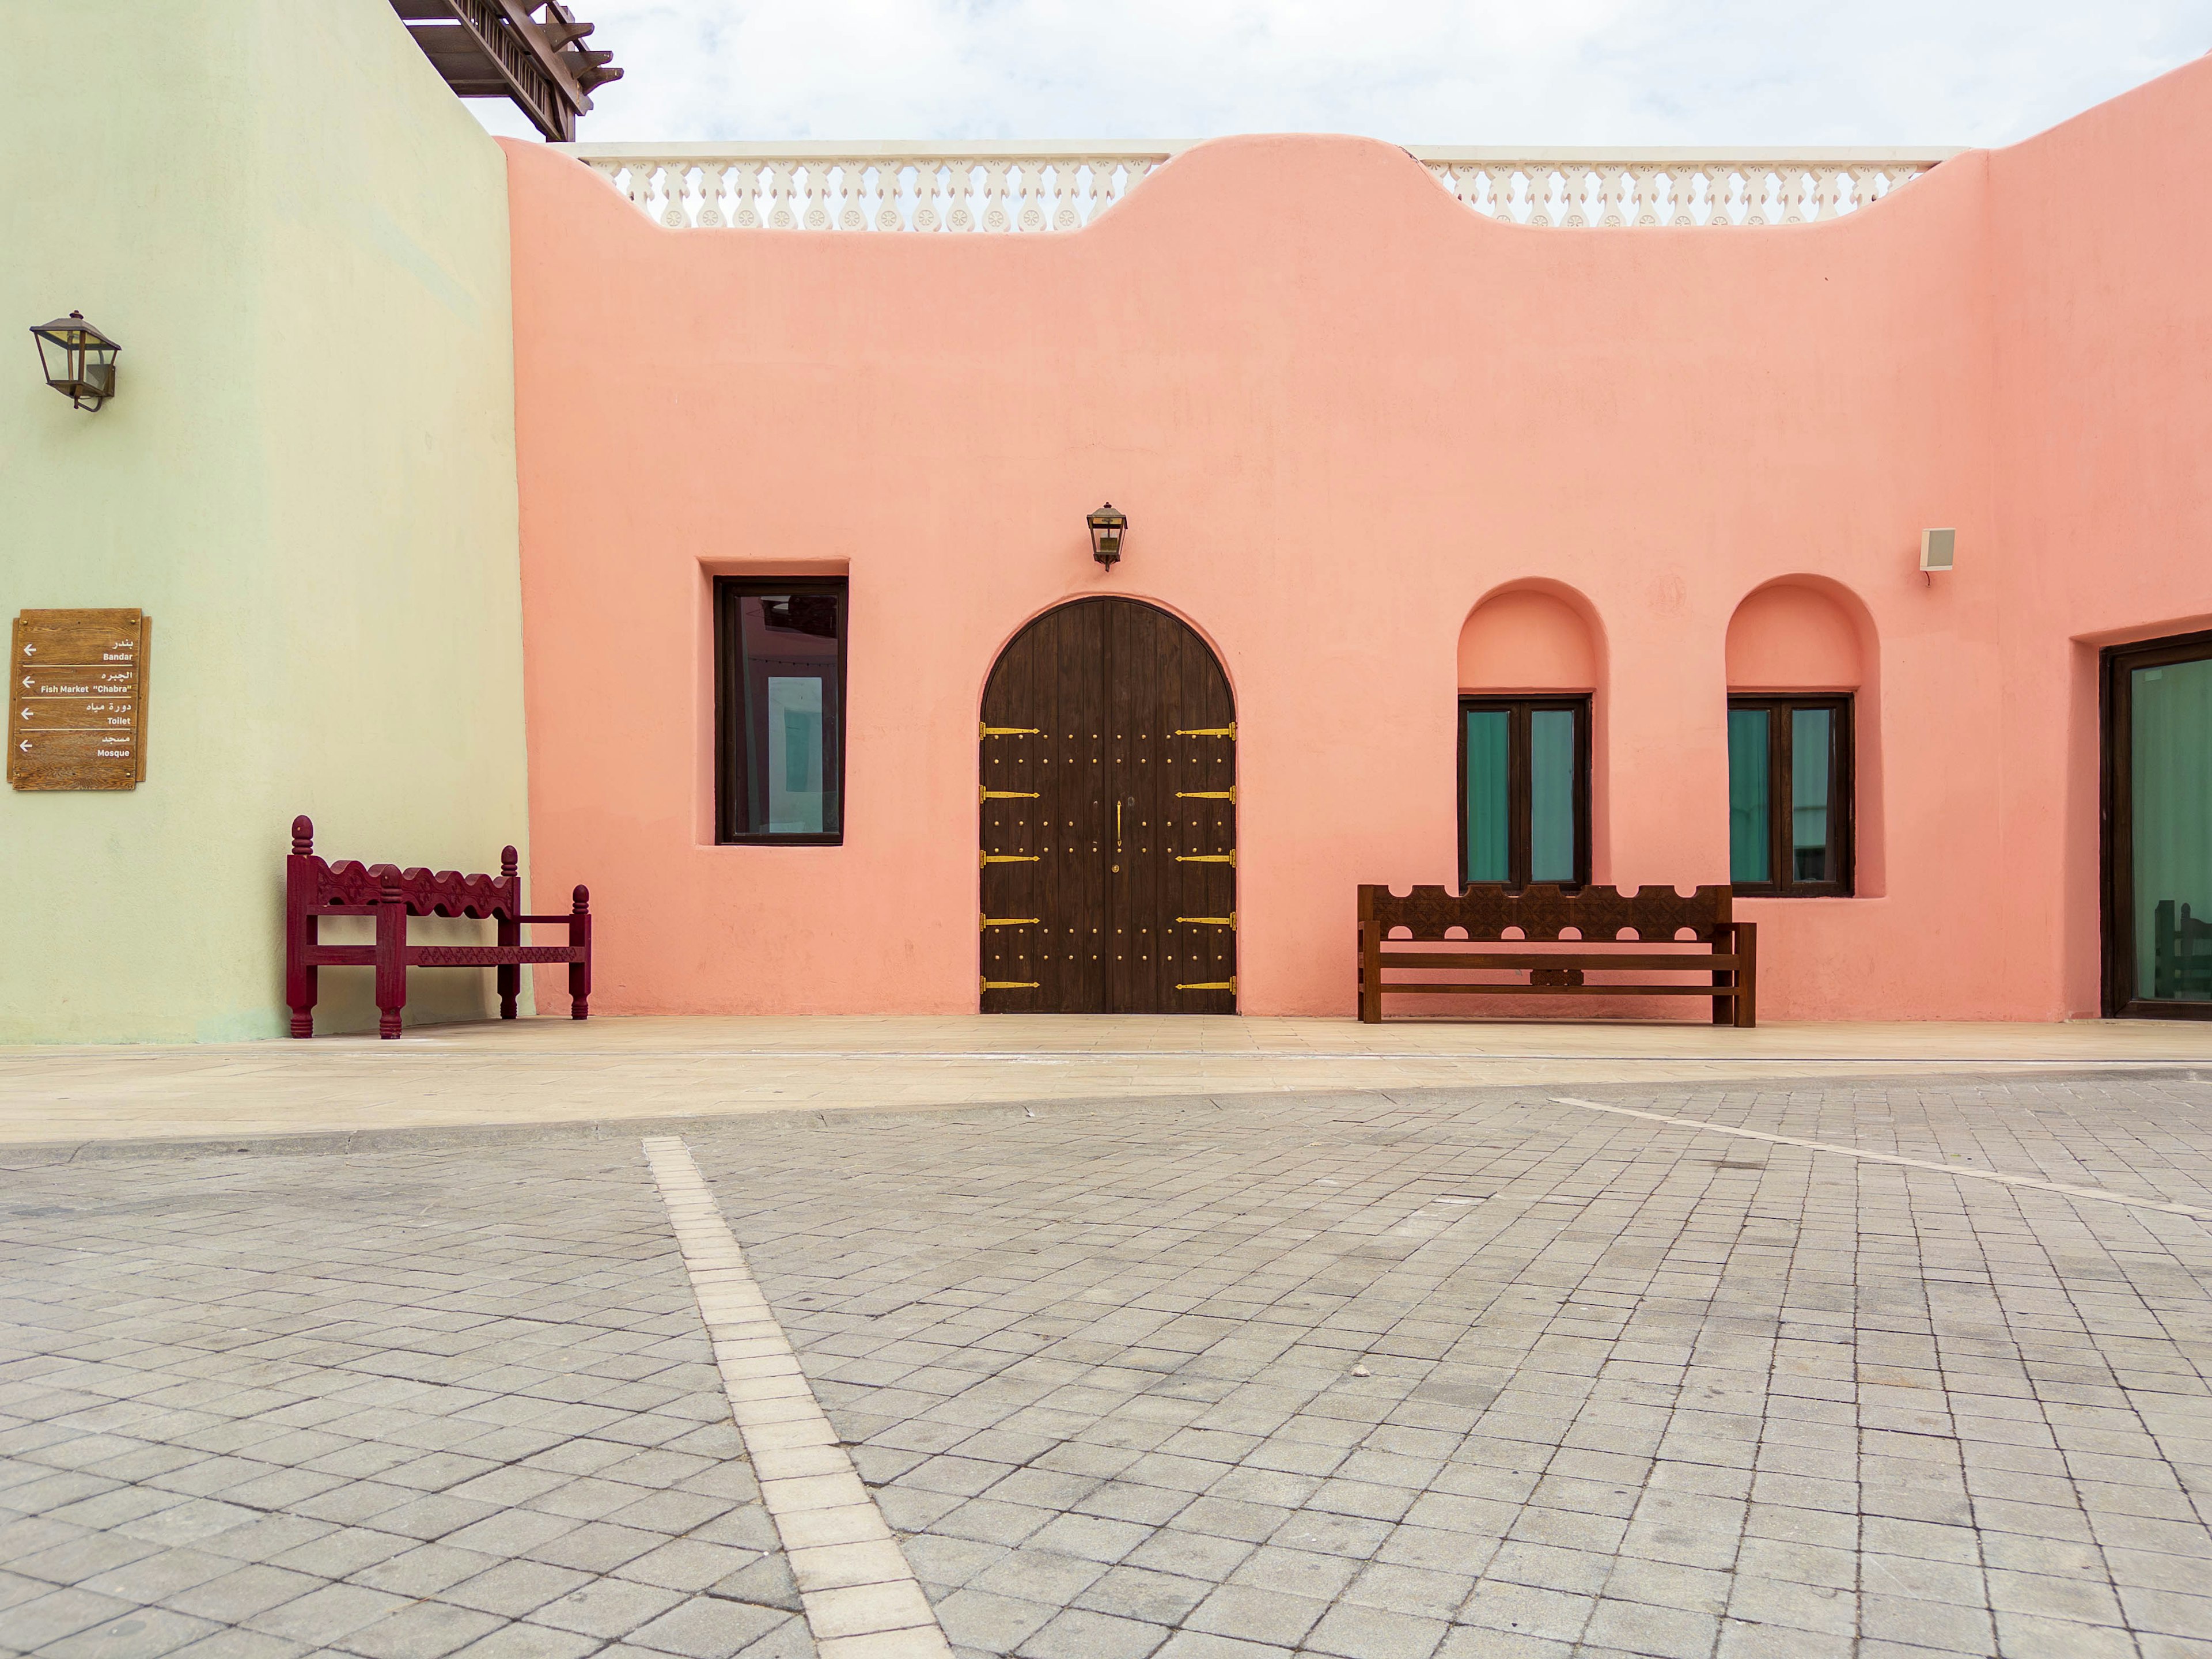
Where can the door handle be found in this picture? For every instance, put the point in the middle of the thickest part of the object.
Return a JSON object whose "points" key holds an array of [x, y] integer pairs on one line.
{"points": [[1117, 829]]}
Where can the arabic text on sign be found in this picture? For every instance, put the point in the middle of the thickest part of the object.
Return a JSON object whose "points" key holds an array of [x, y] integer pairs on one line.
{"points": [[77, 703]]}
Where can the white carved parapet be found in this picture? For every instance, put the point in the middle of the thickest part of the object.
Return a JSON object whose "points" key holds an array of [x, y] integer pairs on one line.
{"points": [[1026, 187], [1717, 188], [958, 187]]}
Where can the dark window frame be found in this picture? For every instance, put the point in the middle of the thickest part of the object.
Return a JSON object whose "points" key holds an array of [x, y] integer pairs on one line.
{"points": [[732, 760], [1518, 785], [1843, 795], [2116, 696]]}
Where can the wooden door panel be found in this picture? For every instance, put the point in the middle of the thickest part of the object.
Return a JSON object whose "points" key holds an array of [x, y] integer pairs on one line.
{"points": [[1109, 765], [1197, 792], [1132, 694], [1201, 922], [1175, 792], [1043, 889]]}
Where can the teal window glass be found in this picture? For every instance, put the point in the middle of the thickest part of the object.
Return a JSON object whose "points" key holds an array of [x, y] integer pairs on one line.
{"points": [[1524, 782], [1486, 734], [1789, 806], [779, 710], [1749, 797], [2170, 779], [1811, 758], [1551, 795], [794, 754]]}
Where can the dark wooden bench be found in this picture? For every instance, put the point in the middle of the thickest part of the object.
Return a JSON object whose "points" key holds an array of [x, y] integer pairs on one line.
{"points": [[314, 888], [1721, 952]]}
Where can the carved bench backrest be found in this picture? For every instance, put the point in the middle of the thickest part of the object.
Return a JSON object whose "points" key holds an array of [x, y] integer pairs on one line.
{"points": [[318, 883], [427, 892], [1543, 912]]}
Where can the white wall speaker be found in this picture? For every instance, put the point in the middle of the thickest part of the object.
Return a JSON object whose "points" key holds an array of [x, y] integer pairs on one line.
{"points": [[1937, 548]]}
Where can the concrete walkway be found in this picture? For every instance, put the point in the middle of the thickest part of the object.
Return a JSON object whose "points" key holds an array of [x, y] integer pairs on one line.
{"points": [[557, 1071]]}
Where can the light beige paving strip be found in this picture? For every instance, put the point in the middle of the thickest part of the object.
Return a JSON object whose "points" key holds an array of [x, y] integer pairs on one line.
{"points": [[861, 1598], [653, 1067], [2101, 1194]]}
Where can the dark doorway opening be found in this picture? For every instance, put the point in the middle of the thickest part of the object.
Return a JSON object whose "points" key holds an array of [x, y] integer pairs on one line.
{"points": [[2157, 700]]}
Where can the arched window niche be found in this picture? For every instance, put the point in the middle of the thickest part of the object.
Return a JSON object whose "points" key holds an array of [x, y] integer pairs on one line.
{"points": [[1532, 734], [1803, 642]]}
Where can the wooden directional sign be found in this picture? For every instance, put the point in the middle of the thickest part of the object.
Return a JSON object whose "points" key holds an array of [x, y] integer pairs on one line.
{"points": [[76, 699]]}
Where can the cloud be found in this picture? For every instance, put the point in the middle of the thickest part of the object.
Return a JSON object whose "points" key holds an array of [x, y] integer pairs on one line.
{"points": [[1623, 72]]}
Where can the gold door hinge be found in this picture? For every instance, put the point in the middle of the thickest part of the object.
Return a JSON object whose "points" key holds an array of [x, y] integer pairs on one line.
{"points": [[1205, 858], [1010, 794], [1228, 732], [1009, 922], [1012, 731], [1230, 793], [1229, 921], [1229, 985], [1010, 984], [1010, 858]]}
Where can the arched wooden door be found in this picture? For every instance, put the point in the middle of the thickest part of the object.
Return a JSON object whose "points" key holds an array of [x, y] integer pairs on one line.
{"points": [[1108, 817]]}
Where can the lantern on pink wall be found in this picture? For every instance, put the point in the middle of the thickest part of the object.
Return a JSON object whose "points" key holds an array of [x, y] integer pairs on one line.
{"points": [[1107, 529]]}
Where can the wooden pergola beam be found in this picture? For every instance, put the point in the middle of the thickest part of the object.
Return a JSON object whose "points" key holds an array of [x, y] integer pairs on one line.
{"points": [[505, 49]]}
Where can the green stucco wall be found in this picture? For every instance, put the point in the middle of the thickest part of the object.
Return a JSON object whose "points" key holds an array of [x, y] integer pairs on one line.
{"points": [[306, 479]]}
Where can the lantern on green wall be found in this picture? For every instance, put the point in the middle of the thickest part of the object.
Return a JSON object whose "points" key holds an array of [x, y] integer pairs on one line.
{"points": [[78, 359]]}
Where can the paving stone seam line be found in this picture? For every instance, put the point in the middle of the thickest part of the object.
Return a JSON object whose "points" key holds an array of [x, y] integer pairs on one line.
{"points": [[861, 1598], [2102, 1197], [445, 1054]]}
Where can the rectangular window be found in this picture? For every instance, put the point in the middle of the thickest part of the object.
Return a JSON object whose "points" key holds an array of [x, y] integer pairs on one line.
{"points": [[2157, 829], [1789, 796], [1524, 790], [779, 710]]}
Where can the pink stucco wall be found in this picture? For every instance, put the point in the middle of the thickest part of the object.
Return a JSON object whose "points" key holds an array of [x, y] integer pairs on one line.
{"points": [[1341, 410], [2101, 478], [1528, 640]]}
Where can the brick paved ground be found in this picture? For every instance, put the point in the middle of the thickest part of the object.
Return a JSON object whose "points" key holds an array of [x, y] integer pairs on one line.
{"points": [[395, 1406], [1468, 1375]]}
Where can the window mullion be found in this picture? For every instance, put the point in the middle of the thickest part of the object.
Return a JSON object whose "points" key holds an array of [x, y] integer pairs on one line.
{"points": [[1521, 787], [1838, 803], [1781, 798], [1584, 713]]}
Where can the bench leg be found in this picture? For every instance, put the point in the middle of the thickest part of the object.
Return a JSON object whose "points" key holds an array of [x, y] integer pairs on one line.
{"points": [[1746, 976], [302, 1001], [1370, 977], [390, 962], [579, 972], [509, 973], [299, 981], [302, 929]]}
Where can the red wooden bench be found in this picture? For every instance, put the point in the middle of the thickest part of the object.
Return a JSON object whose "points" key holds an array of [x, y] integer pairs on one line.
{"points": [[1722, 953], [314, 888]]}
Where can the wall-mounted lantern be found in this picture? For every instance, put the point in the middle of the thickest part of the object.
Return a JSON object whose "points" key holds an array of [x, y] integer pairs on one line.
{"points": [[1939, 552], [1107, 527], [79, 360]]}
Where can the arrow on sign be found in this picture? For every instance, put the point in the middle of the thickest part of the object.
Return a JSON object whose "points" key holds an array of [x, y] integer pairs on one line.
{"points": [[27, 680], [26, 714], [24, 745], [30, 650]]}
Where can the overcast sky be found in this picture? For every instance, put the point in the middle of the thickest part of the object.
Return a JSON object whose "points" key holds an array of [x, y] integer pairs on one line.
{"points": [[1731, 72]]}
